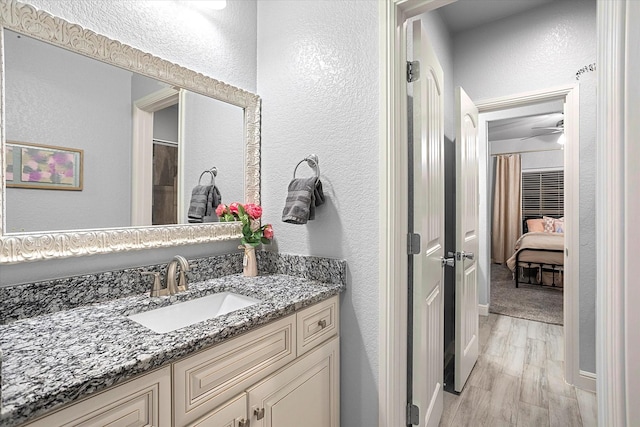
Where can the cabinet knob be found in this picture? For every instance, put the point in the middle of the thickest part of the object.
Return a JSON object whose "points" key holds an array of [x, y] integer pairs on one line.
{"points": [[259, 413], [243, 423], [322, 323]]}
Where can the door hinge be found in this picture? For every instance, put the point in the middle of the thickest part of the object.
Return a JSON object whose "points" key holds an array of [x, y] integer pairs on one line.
{"points": [[413, 71], [413, 414], [413, 244]]}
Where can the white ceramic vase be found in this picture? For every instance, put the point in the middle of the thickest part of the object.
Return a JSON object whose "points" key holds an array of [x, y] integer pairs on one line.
{"points": [[249, 262]]}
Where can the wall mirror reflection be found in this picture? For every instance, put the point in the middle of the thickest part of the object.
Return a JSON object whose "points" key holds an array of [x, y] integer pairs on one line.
{"points": [[55, 97]]}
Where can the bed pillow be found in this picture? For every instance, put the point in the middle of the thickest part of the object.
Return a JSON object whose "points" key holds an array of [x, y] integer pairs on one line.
{"points": [[550, 225], [536, 224]]}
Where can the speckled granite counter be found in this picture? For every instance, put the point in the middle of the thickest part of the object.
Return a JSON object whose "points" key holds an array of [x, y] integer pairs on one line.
{"points": [[56, 358]]}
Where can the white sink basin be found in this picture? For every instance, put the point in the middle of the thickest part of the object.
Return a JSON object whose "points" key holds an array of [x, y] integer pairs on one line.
{"points": [[176, 316]]}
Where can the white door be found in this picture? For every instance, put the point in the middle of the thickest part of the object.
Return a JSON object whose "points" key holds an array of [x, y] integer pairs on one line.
{"points": [[428, 222], [466, 333]]}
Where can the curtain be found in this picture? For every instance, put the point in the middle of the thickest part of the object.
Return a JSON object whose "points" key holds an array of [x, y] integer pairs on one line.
{"points": [[507, 213]]}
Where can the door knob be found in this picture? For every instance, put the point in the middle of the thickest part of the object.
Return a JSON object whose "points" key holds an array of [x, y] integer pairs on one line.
{"points": [[451, 262], [468, 255]]}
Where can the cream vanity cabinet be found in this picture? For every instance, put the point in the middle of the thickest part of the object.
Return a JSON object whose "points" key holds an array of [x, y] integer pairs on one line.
{"points": [[283, 374]]}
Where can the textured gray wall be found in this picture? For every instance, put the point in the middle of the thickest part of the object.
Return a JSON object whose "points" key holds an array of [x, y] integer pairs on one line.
{"points": [[165, 124], [318, 78], [544, 48]]}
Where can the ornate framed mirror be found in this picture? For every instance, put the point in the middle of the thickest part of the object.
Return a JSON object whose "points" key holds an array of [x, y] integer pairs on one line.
{"points": [[111, 210]]}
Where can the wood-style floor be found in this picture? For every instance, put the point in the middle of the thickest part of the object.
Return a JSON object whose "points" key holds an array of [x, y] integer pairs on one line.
{"points": [[518, 380]]}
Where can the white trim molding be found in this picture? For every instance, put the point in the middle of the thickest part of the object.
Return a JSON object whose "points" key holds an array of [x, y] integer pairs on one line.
{"points": [[632, 211], [615, 102], [587, 380], [142, 153], [483, 309], [21, 247]]}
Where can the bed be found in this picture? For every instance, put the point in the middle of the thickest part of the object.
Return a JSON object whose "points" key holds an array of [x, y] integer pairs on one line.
{"points": [[539, 255]]}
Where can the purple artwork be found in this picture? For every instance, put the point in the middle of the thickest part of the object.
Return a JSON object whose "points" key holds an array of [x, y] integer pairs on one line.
{"points": [[50, 166]]}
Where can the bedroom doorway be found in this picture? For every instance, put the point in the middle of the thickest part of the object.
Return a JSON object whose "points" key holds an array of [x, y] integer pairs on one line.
{"points": [[526, 176], [529, 105]]}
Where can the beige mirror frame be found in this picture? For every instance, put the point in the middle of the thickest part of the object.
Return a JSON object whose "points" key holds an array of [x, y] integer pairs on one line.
{"points": [[16, 248]]}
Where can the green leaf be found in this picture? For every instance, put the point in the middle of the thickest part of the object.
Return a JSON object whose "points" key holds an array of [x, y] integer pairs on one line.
{"points": [[265, 241], [241, 211]]}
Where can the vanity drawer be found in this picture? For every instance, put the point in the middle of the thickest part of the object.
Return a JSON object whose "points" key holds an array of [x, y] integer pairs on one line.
{"points": [[145, 401], [316, 324], [208, 379]]}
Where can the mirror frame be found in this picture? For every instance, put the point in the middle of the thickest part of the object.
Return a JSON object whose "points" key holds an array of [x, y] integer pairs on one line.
{"points": [[33, 246]]}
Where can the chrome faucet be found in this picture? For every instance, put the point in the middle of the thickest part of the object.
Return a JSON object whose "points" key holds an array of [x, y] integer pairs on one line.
{"points": [[182, 284], [172, 288]]}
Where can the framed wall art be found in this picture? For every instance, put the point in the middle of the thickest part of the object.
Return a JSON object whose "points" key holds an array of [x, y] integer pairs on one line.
{"points": [[43, 166]]}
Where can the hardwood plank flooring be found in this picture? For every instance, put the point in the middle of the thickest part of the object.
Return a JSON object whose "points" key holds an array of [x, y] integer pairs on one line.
{"points": [[518, 380]]}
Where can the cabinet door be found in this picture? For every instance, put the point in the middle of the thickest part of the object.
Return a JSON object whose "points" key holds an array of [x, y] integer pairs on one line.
{"points": [[305, 393], [205, 381], [144, 401], [231, 414]]}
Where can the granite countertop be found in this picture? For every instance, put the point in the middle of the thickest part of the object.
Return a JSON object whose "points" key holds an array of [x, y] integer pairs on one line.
{"points": [[54, 359]]}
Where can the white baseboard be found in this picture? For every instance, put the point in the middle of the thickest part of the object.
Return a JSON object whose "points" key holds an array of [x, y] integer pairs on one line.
{"points": [[586, 381], [483, 309]]}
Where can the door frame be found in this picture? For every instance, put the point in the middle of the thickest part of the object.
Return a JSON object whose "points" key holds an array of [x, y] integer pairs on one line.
{"points": [[614, 65], [393, 227], [570, 95], [142, 152], [617, 180]]}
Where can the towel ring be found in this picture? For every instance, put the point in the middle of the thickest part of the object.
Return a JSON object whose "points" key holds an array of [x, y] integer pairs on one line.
{"points": [[213, 172], [312, 161]]}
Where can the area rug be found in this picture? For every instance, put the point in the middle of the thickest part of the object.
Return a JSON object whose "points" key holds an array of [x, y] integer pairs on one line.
{"points": [[532, 302]]}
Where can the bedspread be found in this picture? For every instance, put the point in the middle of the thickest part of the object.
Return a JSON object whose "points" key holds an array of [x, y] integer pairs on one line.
{"points": [[539, 240]]}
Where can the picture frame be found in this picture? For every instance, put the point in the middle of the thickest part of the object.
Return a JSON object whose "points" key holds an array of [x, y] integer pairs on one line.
{"points": [[44, 167]]}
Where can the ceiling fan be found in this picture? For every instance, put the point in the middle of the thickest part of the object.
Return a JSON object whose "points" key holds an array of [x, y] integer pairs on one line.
{"points": [[547, 130]]}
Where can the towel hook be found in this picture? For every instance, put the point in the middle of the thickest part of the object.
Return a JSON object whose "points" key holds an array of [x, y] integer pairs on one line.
{"points": [[213, 172], [312, 161]]}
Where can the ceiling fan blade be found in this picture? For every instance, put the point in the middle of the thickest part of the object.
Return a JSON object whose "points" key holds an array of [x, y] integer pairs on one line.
{"points": [[549, 128], [541, 134]]}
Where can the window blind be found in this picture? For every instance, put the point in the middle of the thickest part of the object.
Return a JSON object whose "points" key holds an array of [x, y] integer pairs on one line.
{"points": [[543, 193]]}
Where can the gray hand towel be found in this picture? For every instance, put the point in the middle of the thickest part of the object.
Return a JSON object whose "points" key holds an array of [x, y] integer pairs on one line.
{"points": [[300, 200], [318, 199], [201, 199]]}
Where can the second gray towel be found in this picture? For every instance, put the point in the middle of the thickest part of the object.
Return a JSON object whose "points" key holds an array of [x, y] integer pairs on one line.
{"points": [[302, 198], [204, 199]]}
